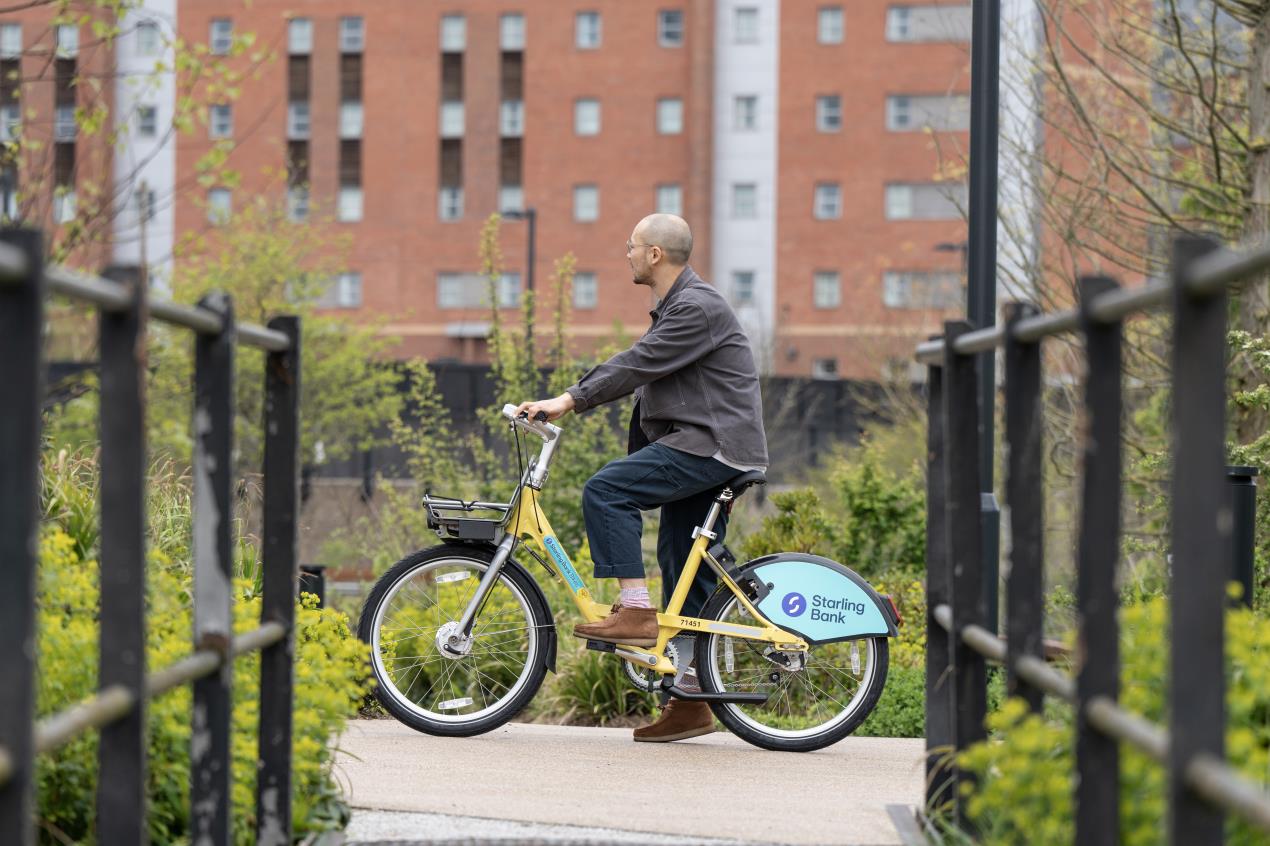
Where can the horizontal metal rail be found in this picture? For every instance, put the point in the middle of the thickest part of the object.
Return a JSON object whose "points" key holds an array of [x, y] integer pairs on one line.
{"points": [[113, 297], [1210, 274], [114, 702], [1216, 780]]}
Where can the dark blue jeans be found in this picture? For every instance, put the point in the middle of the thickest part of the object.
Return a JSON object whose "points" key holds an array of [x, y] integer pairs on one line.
{"points": [[684, 485]]}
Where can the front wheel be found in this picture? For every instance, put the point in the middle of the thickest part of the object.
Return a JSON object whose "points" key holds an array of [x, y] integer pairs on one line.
{"points": [[814, 700], [427, 674]]}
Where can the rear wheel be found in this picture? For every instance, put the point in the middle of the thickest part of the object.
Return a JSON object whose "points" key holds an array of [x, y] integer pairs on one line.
{"points": [[814, 699], [430, 677]]}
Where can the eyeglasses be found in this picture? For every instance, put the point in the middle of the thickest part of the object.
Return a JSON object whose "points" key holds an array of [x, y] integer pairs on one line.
{"points": [[630, 246]]}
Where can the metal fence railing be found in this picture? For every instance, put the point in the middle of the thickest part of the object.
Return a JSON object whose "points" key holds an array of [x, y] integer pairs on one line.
{"points": [[125, 685], [1203, 788]]}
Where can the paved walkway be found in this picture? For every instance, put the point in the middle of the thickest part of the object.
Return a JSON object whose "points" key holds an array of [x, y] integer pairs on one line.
{"points": [[554, 784]]}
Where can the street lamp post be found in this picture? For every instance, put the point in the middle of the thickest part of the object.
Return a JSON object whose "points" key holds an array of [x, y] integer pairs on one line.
{"points": [[530, 216]]}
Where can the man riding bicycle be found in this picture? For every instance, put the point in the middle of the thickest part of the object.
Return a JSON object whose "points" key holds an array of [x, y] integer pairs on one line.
{"points": [[698, 423]]}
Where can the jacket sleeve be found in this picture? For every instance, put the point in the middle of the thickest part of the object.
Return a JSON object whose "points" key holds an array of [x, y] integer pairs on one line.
{"points": [[680, 337]]}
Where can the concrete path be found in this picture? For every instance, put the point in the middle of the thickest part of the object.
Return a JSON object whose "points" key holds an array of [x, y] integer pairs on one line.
{"points": [[711, 787]]}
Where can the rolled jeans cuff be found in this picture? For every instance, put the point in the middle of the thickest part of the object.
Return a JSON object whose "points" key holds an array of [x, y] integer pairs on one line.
{"points": [[619, 571]]}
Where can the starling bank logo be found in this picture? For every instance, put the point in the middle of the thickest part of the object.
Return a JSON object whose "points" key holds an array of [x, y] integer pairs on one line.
{"points": [[794, 604]]}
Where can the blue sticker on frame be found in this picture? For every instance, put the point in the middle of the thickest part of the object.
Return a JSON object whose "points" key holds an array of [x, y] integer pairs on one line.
{"points": [[562, 561]]}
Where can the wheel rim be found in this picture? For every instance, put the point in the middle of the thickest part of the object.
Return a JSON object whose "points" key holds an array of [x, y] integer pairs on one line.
{"points": [[413, 672], [803, 703]]}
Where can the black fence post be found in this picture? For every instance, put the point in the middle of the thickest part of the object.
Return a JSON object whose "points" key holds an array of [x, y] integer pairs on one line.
{"points": [[213, 579], [1200, 541], [1243, 503], [121, 752], [282, 459], [964, 538], [313, 580], [1025, 604], [1098, 553], [22, 374], [939, 731]]}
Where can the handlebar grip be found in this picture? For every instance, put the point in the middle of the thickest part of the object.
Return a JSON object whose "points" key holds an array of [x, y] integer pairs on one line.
{"points": [[541, 417]]}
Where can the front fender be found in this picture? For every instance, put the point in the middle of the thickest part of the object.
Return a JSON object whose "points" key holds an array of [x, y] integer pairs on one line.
{"points": [[818, 599]]}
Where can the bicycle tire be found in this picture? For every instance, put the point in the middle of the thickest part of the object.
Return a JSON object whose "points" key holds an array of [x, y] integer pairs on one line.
{"points": [[513, 582], [747, 721]]}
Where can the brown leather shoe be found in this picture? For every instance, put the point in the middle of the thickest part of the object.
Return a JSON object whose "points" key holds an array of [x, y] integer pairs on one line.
{"points": [[631, 626], [679, 720]]}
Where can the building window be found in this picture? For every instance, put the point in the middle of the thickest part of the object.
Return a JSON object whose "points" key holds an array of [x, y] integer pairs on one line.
{"points": [[928, 23], [352, 35], [745, 112], [829, 113], [67, 41], [826, 289], [743, 287], [298, 121], [670, 28], [670, 116], [670, 199], [512, 119], [744, 200], [64, 123], [345, 291], [586, 203], [298, 203], [145, 204], [10, 122], [450, 205], [147, 121], [509, 290], [219, 205], [350, 120], [942, 112], [922, 289], [745, 25], [511, 32], [453, 34], [350, 204], [221, 38], [462, 290], [585, 291], [586, 30], [148, 40], [511, 198], [11, 41], [63, 204], [828, 203], [452, 119], [824, 368], [925, 201], [586, 117], [220, 121], [300, 36], [829, 25]]}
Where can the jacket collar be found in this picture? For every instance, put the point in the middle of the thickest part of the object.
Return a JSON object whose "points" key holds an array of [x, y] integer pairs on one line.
{"points": [[686, 277]]}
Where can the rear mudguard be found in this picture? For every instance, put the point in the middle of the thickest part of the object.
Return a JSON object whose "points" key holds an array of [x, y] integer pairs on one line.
{"points": [[816, 598]]}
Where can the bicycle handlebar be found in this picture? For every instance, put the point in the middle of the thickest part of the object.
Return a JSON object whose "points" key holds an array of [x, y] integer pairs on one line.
{"points": [[541, 428]]}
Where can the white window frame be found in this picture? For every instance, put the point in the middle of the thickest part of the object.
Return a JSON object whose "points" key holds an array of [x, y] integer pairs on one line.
{"points": [[461, 290], [220, 38], [669, 199], [64, 204], [299, 120], [300, 36], [352, 119], [511, 119], [669, 35], [453, 33], [511, 198], [826, 289], [450, 203], [10, 41], [511, 31], [142, 112], [831, 25], [745, 112], [149, 38], [899, 113], [64, 125], [586, 296], [744, 201], [10, 122], [588, 30], [744, 287], [146, 204], [587, 117], [586, 203], [745, 21], [670, 116], [452, 119], [67, 40], [827, 201], [349, 206], [220, 121], [509, 290], [298, 203], [352, 35], [828, 112], [218, 212], [899, 202], [348, 290]]}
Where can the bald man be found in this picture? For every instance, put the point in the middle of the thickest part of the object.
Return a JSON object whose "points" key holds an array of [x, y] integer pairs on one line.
{"points": [[699, 410]]}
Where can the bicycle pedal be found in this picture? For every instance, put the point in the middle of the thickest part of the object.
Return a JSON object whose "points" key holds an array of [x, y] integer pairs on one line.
{"points": [[601, 646]]}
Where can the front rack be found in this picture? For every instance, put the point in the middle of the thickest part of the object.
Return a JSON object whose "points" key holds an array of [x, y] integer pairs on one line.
{"points": [[445, 518]]}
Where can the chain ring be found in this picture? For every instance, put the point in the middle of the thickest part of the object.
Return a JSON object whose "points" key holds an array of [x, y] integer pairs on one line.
{"points": [[645, 678]]}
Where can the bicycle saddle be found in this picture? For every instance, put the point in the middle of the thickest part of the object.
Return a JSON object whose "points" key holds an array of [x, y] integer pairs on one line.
{"points": [[739, 483]]}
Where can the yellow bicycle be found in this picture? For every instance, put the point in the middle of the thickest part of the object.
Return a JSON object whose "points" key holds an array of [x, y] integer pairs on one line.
{"points": [[791, 650]]}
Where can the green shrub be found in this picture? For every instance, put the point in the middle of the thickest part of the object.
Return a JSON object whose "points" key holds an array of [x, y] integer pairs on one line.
{"points": [[901, 712], [1024, 793]]}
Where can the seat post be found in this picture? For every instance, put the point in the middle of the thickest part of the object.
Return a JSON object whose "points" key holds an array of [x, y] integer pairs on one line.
{"points": [[720, 501]]}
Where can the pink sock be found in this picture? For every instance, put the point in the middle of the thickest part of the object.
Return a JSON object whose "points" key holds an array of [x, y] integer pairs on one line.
{"points": [[635, 598]]}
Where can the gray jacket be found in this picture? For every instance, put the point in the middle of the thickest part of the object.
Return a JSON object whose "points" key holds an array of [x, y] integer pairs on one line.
{"points": [[694, 375]]}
